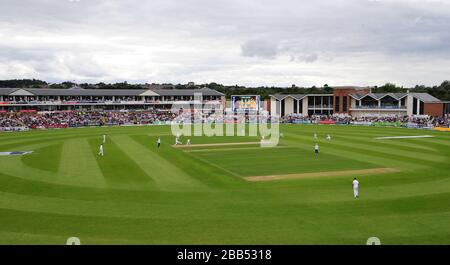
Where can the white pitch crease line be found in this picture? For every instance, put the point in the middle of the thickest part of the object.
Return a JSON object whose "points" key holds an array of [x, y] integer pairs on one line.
{"points": [[15, 153], [405, 137]]}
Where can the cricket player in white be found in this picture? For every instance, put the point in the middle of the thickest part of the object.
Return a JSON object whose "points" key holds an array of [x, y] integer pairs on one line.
{"points": [[328, 137], [158, 142], [315, 136], [355, 185], [100, 151], [316, 150], [188, 142]]}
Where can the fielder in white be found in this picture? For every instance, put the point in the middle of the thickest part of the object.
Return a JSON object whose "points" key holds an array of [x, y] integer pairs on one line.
{"points": [[316, 150], [328, 137], [315, 136], [355, 185], [100, 150], [188, 142]]}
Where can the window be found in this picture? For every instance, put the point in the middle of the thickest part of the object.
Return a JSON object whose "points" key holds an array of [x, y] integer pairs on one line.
{"points": [[414, 106], [421, 108], [317, 101], [282, 108], [295, 106], [446, 108], [311, 102], [336, 104], [344, 103], [403, 102], [369, 102]]}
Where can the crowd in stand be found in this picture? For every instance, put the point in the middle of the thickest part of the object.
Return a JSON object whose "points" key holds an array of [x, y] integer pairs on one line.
{"points": [[81, 118], [442, 121], [422, 121], [65, 119]]}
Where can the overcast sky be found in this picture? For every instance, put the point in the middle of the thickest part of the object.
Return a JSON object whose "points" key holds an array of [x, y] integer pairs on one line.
{"points": [[246, 42]]}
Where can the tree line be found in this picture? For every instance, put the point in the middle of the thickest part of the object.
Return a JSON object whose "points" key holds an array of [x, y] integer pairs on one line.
{"points": [[441, 91]]}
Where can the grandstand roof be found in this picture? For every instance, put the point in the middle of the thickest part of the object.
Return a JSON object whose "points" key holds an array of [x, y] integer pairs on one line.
{"points": [[425, 97], [377, 96], [7, 91], [187, 92], [283, 96], [107, 92]]}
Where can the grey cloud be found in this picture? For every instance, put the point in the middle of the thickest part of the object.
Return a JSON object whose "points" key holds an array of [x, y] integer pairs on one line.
{"points": [[259, 48], [307, 58]]}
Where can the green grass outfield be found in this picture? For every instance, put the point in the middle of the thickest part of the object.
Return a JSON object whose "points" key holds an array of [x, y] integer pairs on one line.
{"points": [[139, 194]]}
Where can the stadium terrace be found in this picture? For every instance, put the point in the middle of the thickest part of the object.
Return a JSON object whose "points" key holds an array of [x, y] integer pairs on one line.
{"points": [[38, 99], [349, 100]]}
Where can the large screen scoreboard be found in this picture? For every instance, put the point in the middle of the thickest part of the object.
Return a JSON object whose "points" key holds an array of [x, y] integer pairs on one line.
{"points": [[245, 103]]}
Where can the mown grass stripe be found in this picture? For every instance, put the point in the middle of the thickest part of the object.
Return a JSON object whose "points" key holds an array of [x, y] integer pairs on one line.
{"points": [[267, 161], [374, 146], [117, 167], [207, 150], [195, 169], [46, 158], [78, 164], [142, 149], [378, 154]]}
